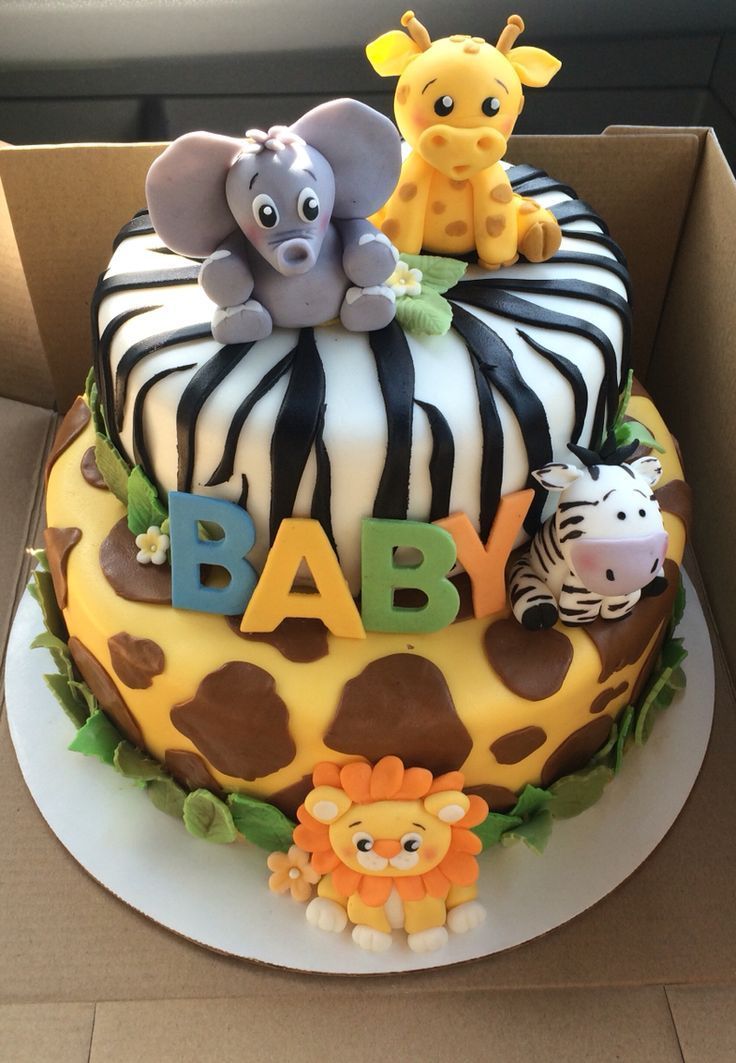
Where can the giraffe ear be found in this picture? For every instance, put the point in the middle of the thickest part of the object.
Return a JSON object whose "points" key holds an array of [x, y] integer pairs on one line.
{"points": [[534, 66], [648, 468], [556, 476], [391, 53]]}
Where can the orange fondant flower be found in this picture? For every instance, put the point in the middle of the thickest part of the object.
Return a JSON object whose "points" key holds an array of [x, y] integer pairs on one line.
{"points": [[292, 871]]}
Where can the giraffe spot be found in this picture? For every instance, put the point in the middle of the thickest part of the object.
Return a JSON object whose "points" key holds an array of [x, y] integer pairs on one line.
{"points": [[298, 639], [577, 749], [129, 580], [498, 798], [606, 696], [190, 770], [456, 228], [89, 470], [528, 207], [516, 746], [407, 192], [471, 48], [136, 661], [532, 664], [238, 721], [402, 93], [391, 228], [59, 543], [502, 194], [457, 184], [100, 683], [676, 498], [400, 705], [438, 207], [495, 224], [288, 799], [73, 425]]}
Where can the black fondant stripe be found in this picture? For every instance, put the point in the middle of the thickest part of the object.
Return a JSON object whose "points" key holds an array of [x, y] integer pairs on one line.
{"points": [[244, 489], [497, 364], [139, 226], [140, 448], [135, 355], [156, 278], [395, 369], [442, 461], [572, 375], [224, 470], [103, 370], [538, 185], [604, 240], [321, 498], [141, 212], [583, 258], [206, 380], [575, 210], [518, 174], [296, 428]]}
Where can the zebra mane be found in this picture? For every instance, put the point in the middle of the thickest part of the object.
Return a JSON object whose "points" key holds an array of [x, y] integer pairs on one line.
{"points": [[610, 452]]}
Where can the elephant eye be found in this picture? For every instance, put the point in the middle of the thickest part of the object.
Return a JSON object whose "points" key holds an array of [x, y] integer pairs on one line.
{"points": [[443, 106], [363, 841], [491, 106], [307, 205], [411, 842], [264, 211]]}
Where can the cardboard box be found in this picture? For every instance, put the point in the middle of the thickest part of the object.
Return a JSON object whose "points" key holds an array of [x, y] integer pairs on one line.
{"points": [[75, 958]]}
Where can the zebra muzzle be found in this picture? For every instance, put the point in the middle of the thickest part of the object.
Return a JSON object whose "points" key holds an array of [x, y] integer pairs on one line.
{"points": [[618, 566]]}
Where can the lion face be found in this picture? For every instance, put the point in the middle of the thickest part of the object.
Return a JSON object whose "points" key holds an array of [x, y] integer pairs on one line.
{"points": [[390, 838]]}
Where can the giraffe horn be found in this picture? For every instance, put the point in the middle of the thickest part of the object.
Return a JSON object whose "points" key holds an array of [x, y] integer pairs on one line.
{"points": [[514, 28], [416, 30]]}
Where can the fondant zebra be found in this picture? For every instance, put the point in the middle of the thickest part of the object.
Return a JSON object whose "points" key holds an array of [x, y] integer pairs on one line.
{"points": [[604, 543]]}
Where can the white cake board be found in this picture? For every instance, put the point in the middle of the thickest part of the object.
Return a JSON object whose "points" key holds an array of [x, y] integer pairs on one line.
{"points": [[218, 895]]}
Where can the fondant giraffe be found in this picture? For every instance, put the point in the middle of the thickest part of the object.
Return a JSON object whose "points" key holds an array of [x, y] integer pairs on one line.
{"points": [[456, 103]]}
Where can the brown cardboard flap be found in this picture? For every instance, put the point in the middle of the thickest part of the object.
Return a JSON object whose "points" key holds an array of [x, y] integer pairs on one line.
{"points": [[640, 182], [66, 204]]}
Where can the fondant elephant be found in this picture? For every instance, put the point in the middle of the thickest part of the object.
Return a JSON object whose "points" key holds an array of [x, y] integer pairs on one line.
{"points": [[279, 218]]}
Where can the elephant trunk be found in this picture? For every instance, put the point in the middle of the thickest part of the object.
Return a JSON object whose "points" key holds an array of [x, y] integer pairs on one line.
{"points": [[295, 256]]}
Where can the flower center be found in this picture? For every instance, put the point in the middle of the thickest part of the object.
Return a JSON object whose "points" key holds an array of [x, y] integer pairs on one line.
{"points": [[294, 872]]}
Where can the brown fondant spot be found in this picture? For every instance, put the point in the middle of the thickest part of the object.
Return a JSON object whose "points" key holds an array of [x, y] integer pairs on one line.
{"points": [[438, 207], [528, 207], [577, 749], [238, 721], [518, 745], [676, 498], [102, 686], [75, 422], [407, 191], [391, 228], [498, 798], [289, 799], [606, 697], [532, 664], [400, 705], [645, 673], [190, 770], [298, 639], [128, 578], [495, 225], [456, 228], [136, 661], [502, 193], [59, 543], [457, 184], [89, 470], [402, 93], [622, 642]]}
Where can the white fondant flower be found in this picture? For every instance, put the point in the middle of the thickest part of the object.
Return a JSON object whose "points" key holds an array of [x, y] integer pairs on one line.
{"points": [[405, 281], [152, 546]]}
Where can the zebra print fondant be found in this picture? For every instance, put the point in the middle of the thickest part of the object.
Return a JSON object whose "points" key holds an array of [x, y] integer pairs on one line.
{"points": [[338, 426]]}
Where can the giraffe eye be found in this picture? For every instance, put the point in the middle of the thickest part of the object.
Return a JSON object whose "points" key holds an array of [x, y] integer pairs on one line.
{"points": [[491, 106], [444, 106]]}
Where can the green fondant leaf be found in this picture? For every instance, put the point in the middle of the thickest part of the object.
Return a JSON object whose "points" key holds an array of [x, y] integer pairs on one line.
{"points": [[59, 687], [82, 693], [167, 796], [39, 556], [165, 525], [134, 764], [624, 401], [113, 469], [531, 800], [534, 833], [46, 598], [89, 384], [679, 608], [144, 506], [97, 738], [626, 721], [438, 273], [631, 430], [678, 679], [207, 817], [494, 826], [573, 794], [262, 824], [603, 754], [47, 641], [673, 653], [427, 314]]}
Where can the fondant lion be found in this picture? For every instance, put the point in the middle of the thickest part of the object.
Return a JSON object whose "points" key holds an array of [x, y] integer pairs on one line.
{"points": [[394, 849]]}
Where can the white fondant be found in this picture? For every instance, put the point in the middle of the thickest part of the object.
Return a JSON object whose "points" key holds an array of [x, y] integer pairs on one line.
{"points": [[352, 295], [325, 811], [393, 909], [371, 940], [222, 253], [427, 940], [451, 813], [466, 917], [326, 915]]}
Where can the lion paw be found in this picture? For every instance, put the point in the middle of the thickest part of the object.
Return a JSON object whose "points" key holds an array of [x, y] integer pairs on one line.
{"points": [[371, 940], [427, 940], [466, 917], [326, 915], [541, 241]]}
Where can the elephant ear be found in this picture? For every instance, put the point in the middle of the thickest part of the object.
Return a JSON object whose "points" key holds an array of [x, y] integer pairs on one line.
{"points": [[363, 149], [185, 190]]}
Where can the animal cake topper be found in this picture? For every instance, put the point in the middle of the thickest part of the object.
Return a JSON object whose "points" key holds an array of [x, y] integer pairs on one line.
{"points": [[604, 544], [279, 218], [456, 103]]}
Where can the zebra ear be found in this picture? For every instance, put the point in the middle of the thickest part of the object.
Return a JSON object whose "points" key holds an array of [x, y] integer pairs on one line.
{"points": [[556, 476], [648, 468]]}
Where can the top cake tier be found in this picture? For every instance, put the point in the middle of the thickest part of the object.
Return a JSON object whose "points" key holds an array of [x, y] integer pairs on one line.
{"points": [[339, 425]]}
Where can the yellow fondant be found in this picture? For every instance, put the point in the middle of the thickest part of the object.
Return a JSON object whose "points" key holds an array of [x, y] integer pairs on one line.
{"points": [[302, 540]]}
